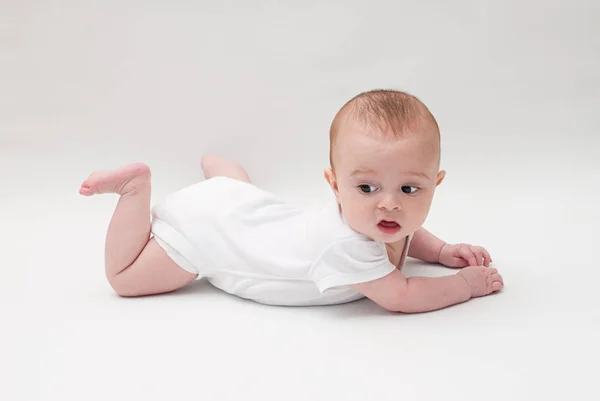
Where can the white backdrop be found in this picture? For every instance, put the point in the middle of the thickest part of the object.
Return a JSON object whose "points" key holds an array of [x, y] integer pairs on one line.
{"points": [[515, 86]]}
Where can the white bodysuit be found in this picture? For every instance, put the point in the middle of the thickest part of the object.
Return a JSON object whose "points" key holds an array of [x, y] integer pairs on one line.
{"points": [[252, 244]]}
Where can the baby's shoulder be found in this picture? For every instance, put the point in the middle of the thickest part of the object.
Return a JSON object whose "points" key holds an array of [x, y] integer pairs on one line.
{"points": [[354, 246], [327, 226]]}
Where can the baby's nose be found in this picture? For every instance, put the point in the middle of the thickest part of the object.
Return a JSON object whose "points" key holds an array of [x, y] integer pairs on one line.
{"points": [[389, 203]]}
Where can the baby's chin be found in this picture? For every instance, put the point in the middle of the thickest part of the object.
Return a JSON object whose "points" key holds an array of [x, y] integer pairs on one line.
{"points": [[391, 239]]}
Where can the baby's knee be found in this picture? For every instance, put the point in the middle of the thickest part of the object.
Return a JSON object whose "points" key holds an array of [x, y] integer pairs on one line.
{"points": [[122, 286], [117, 286]]}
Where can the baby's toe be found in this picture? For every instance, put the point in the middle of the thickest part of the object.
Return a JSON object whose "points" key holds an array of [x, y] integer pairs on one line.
{"points": [[85, 189]]}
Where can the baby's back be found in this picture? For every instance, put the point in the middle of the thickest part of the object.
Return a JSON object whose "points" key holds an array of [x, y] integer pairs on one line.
{"points": [[253, 244]]}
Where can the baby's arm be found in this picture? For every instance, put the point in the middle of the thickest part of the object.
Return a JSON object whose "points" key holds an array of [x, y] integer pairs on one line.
{"points": [[425, 246], [397, 293]]}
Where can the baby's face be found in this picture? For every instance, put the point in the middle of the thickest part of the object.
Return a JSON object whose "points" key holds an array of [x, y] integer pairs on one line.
{"points": [[385, 186]]}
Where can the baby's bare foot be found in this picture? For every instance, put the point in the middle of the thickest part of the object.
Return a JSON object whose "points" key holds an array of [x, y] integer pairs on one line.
{"points": [[121, 181]]}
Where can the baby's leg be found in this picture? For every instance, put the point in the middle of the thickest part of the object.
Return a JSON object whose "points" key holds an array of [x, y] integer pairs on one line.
{"points": [[217, 166], [135, 265]]}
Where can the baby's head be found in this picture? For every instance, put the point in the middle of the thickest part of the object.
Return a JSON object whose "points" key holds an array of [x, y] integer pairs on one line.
{"points": [[385, 159]]}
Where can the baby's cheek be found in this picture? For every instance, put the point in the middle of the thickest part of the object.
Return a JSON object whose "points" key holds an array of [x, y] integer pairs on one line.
{"points": [[356, 213], [420, 215], [363, 210], [353, 211]]}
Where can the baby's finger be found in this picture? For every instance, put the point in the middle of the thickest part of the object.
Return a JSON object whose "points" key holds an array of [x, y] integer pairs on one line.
{"points": [[498, 278], [497, 286], [486, 256], [478, 255], [466, 254]]}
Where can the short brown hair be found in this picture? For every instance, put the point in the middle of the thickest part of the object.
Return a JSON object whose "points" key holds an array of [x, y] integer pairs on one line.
{"points": [[392, 112]]}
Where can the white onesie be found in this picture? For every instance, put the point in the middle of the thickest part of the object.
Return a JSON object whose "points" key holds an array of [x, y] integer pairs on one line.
{"points": [[252, 244]]}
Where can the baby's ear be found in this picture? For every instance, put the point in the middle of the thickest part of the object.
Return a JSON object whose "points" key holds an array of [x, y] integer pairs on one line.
{"points": [[330, 177], [440, 177]]}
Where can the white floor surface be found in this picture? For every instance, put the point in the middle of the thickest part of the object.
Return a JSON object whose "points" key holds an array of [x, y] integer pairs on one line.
{"points": [[515, 86]]}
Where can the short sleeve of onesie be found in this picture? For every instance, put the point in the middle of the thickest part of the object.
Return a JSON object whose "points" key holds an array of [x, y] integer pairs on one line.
{"points": [[350, 261]]}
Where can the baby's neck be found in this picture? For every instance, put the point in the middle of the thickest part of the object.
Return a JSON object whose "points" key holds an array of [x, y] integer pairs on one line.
{"points": [[398, 245], [395, 250]]}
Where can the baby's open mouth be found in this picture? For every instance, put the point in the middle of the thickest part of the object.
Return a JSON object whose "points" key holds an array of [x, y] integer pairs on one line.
{"points": [[389, 227], [388, 223]]}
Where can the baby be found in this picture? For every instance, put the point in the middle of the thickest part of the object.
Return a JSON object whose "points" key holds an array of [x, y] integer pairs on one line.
{"points": [[385, 160]]}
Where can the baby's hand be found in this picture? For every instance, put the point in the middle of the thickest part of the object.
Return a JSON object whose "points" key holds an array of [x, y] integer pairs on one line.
{"points": [[482, 280], [461, 255]]}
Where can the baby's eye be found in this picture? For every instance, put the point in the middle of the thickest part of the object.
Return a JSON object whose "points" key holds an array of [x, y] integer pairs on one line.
{"points": [[367, 189], [406, 189]]}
